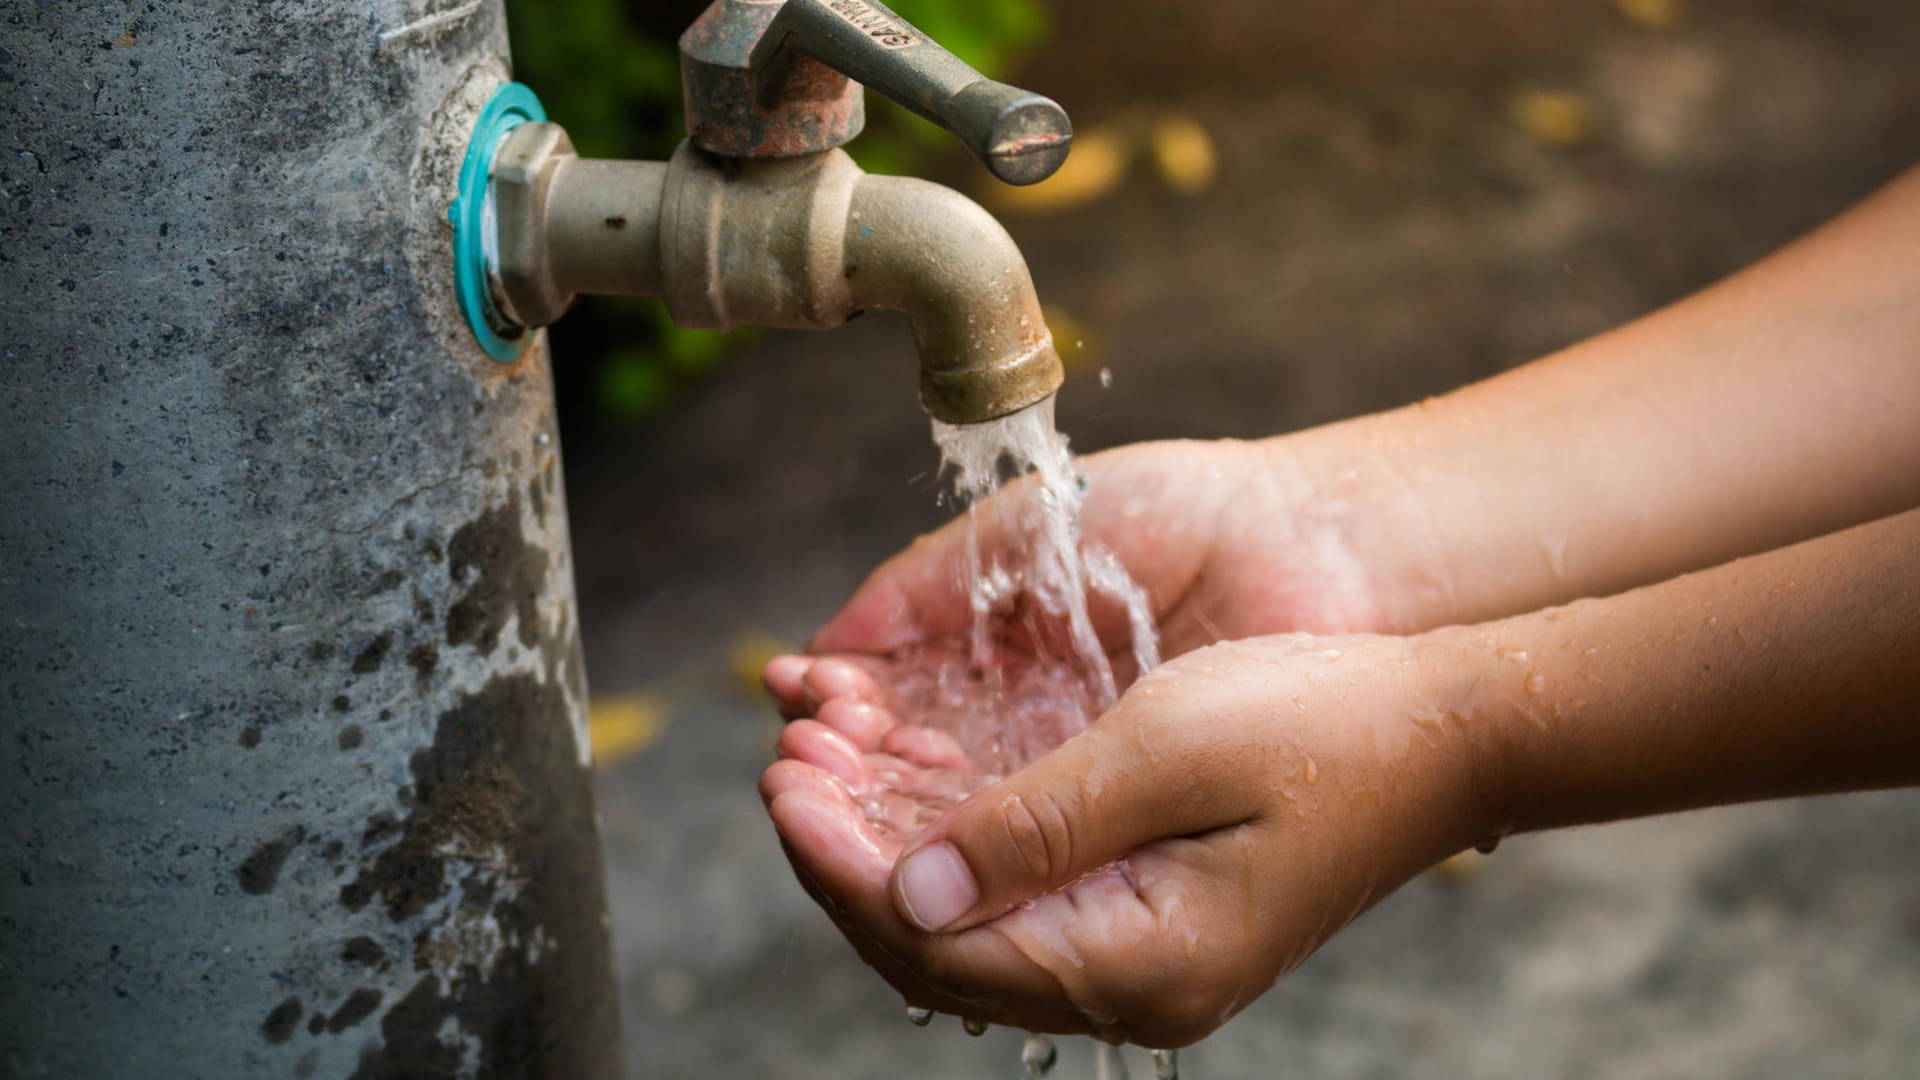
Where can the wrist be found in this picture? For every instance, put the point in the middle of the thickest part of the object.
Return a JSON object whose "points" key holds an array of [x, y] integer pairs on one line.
{"points": [[1360, 491], [1474, 674]]}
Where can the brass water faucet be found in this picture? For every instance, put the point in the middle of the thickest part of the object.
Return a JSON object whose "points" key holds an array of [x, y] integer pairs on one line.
{"points": [[759, 219]]}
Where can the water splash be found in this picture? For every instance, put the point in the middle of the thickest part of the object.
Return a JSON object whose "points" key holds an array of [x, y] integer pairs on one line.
{"points": [[1057, 569], [1166, 1065]]}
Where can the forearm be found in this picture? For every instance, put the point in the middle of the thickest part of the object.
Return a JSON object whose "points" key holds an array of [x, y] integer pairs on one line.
{"points": [[1792, 673], [1776, 406]]}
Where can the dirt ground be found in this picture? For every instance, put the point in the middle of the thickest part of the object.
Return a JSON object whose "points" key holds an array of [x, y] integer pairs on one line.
{"points": [[1381, 228]]}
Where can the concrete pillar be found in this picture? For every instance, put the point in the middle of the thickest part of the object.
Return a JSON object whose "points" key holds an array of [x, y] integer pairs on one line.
{"points": [[293, 756]]}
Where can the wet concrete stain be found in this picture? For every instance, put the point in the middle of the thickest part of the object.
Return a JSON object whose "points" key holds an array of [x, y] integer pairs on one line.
{"points": [[351, 737], [342, 703], [359, 1005], [279, 1024], [423, 658], [363, 951], [503, 575], [249, 737], [537, 496], [261, 871], [373, 655], [501, 781]]}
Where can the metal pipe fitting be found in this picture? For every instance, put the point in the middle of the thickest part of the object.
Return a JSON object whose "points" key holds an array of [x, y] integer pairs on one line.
{"points": [[933, 253], [567, 225], [801, 242]]}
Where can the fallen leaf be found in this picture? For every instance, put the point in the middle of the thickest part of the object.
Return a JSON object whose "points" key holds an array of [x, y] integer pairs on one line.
{"points": [[1653, 14], [748, 652], [1557, 118], [1183, 154], [623, 725]]}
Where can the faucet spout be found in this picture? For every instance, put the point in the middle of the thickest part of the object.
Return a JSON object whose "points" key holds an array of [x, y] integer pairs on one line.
{"points": [[802, 242], [927, 250]]}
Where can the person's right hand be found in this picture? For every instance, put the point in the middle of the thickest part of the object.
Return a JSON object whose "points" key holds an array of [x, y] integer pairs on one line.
{"points": [[1155, 873]]}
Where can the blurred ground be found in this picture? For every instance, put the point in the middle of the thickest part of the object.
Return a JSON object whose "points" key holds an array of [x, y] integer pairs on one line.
{"points": [[1410, 195]]}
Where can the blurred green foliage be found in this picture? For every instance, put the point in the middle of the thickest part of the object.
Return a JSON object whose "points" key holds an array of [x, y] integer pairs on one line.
{"points": [[609, 70]]}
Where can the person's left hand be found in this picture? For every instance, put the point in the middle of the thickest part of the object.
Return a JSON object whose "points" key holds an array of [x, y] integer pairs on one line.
{"points": [[1157, 872]]}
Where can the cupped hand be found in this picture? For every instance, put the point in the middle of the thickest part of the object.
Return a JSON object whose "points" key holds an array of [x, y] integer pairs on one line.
{"points": [[1155, 873]]}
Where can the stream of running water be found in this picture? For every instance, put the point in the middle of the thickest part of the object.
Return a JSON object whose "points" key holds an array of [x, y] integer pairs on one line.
{"points": [[1006, 710]]}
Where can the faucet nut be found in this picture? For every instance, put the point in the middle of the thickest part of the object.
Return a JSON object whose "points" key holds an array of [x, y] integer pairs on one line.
{"points": [[521, 272]]}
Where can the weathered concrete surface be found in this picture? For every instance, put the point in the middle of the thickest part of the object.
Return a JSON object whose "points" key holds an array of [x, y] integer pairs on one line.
{"points": [[1380, 230], [290, 688]]}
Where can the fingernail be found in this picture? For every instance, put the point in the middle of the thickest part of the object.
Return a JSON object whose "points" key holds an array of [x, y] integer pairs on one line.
{"points": [[937, 887]]}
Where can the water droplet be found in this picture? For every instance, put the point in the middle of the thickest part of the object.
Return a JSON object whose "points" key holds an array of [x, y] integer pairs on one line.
{"points": [[1487, 846], [1106, 378], [1536, 684], [975, 1028], [1166, 1065], [1038, 1055], [1313, 771], [920, 1017]]}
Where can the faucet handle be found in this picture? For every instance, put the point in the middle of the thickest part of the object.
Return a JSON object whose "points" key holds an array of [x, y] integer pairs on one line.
{"points": [[1021, 137]]}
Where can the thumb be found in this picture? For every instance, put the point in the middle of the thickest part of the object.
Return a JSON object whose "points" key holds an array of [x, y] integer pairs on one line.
{"points": [[1121, 784]]}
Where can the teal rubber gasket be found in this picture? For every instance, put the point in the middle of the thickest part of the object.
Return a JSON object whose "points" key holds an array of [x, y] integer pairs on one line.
{"points": [[512, 105]]}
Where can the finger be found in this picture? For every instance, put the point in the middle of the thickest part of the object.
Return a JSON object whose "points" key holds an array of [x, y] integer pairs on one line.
{"points": [[1028, 1016], [828, 750], [849, 864], [782, 677], [863, 723], [1159, 945], [832, 678], [1136, 776], [791, 774], [926, 747]]}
